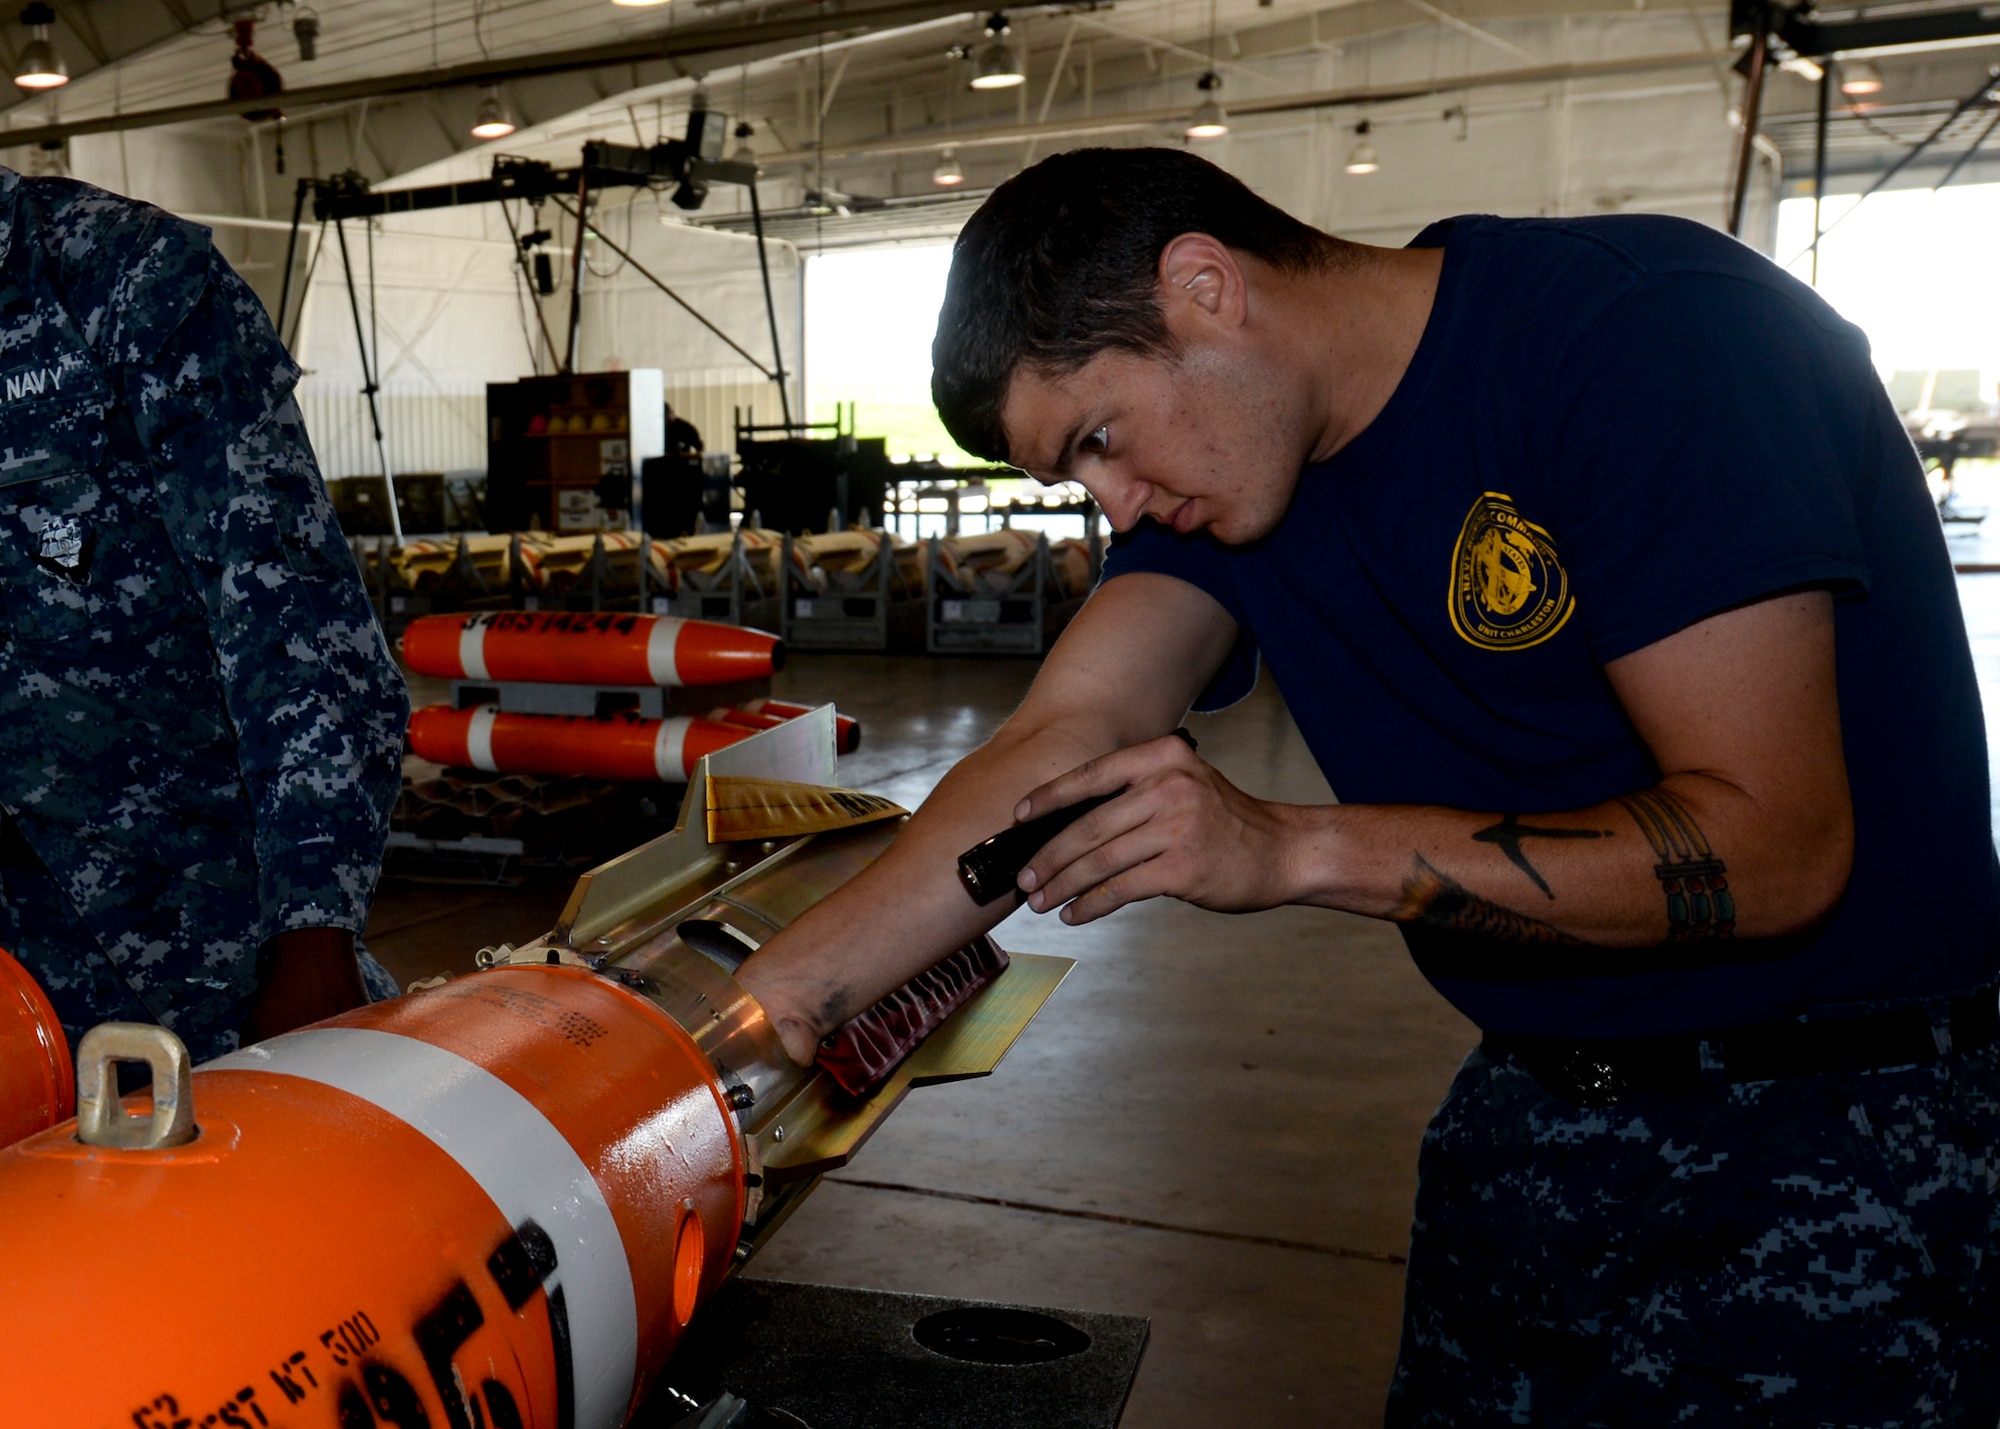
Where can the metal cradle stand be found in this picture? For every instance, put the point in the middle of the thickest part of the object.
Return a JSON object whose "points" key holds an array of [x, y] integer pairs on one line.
{"points": [[855, 610], [734, 594], [1022, 617]]}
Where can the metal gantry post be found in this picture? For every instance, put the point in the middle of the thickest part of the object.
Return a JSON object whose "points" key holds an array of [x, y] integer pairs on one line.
{"points": [[1753, 101], [1819, 158], [369, 387]]}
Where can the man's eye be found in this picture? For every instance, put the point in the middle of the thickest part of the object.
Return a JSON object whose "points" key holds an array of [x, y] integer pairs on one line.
{"points": [[1096, 443]]}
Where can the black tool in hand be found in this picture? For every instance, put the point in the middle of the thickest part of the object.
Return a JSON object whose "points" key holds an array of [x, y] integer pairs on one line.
{"points": [[989, 870]]}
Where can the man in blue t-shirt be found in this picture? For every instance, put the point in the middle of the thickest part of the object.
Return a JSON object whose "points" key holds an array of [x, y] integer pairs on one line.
{"points": [[1605, 588]]}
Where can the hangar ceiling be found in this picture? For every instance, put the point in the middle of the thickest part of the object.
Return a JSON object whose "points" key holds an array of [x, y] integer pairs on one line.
{"points": [[856, 100]]}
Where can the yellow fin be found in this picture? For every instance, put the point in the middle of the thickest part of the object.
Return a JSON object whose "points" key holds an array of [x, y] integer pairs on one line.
{"points": [[740, 809]]}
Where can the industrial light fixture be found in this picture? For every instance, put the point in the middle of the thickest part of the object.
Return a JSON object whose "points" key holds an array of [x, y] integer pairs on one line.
{"points": [[637, 4], [305, 29], [949, 173], [744, 154], [253, 77], [998, 62], [492, 121], [1861, 77], [690, 194], [39, 66], [1208, 121], [1363, 159]]}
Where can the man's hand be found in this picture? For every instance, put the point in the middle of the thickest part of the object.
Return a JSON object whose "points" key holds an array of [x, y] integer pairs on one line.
{"points": [[1179, 829], [309, 974], [1124, 672]]}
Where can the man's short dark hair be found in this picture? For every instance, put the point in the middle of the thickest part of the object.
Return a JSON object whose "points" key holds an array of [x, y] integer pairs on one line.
{"points": [[1062, 263]]}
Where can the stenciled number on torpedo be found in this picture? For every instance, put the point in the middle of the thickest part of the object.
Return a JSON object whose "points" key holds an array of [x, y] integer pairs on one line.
{"points": [[378, 1394]]}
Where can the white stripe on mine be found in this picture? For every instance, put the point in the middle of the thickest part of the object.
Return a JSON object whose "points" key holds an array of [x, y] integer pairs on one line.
{"points": [[670, 749], [504, 1142], [660, 642], [479, 738], [472, 649]]}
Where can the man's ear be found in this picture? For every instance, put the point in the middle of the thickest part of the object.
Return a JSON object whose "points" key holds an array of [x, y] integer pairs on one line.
{"points": [[1201, 279]]}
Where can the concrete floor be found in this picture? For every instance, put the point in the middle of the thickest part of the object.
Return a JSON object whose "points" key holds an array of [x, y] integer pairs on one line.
{"points": [[1213, 1123]]}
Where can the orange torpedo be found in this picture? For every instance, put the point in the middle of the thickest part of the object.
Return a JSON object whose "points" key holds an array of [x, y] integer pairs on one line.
{"points": [[620, 746], [583, 649]]}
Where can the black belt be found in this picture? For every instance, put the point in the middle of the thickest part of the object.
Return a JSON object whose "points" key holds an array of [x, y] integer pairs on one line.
{"points": [[1606, 1072]]}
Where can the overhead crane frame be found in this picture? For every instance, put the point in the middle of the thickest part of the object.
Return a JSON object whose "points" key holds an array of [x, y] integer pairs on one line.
{"points": [[1776, 30], [691, 164]]}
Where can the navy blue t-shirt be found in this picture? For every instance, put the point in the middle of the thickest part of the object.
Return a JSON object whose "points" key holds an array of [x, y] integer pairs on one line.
{"points": [[1613, 428]]}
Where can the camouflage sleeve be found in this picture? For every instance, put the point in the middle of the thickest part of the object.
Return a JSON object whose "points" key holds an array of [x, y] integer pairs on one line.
{"points": [[317, 701]]}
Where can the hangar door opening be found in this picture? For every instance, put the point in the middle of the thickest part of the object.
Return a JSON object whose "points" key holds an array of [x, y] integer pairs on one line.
{"points": [[1915, 270], [870, 315]]}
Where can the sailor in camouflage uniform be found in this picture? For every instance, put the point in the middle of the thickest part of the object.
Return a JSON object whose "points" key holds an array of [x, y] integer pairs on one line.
{"points": [[200, 723]]}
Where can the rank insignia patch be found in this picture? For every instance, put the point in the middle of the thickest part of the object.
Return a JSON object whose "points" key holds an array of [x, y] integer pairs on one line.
{"points": [[64, 547], [1508, 587]]}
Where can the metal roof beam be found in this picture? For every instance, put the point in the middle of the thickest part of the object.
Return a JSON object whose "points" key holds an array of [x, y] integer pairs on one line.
{"points": [[678, 43]]}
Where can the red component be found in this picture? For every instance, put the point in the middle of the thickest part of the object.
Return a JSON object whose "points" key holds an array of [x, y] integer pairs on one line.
{"points": [[586, 649], [862, 1054], [37, 1081], [622, 746], [251, 75], [768, 713]]}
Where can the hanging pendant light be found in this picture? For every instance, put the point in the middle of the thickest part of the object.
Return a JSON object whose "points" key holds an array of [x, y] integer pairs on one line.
{"points": [[1861, 77], [1209, 120], [949, 173], [39, 66], [492, 120], [1363, 159], [997, 65]]}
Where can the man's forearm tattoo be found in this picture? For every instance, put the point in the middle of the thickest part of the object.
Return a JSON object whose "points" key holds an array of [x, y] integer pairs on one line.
{"points": [[1432, 897], [1509, 832], [1699, 904]]}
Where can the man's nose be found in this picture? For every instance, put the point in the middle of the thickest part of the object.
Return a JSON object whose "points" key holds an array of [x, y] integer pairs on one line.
{"points": [[1124, 502]]}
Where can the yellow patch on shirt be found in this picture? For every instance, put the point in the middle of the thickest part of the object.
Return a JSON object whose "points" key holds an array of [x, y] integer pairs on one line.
{"points": [[1508, 587]]}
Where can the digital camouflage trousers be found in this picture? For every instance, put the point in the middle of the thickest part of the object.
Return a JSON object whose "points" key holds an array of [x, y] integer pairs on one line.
{"points": [[1819, 1250]]}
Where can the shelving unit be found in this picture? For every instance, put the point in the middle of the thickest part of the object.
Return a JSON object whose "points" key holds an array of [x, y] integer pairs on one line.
{"points": [[557, 445]]}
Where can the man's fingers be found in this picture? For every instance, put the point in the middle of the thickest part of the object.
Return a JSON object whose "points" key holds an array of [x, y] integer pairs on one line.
{"points": [[1106, 774], [1103, 775], [1099, 826], [1134, 885], [1099, 866]]}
